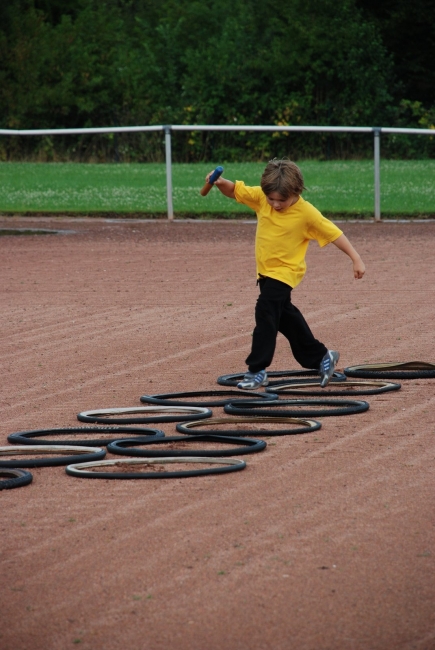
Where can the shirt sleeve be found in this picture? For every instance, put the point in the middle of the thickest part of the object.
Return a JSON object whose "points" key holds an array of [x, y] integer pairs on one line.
{"points": [[250, 196], [323, 230]]}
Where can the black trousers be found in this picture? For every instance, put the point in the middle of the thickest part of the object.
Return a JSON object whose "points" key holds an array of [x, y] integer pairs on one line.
{"points": [[275, 313]]}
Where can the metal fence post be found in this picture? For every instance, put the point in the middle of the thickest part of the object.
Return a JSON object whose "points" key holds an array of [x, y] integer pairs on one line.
{"points": [[377, 155], [168, 156]]}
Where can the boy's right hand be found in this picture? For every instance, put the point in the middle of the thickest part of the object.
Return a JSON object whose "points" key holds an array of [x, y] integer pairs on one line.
{"points": [[224, 185], [217, 181]]}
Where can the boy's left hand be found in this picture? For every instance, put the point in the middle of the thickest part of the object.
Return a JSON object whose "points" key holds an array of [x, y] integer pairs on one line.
{"points": [[359, 268]]}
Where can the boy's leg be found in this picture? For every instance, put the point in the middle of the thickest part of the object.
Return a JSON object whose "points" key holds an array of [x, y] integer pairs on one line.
{"points": [[306, 349], [274, 296]]}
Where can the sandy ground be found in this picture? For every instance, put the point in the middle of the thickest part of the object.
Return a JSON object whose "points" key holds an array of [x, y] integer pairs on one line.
{"points": [[324, 542]]}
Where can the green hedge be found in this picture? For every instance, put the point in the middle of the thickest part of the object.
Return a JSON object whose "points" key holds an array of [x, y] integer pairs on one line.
{"points": [[85, 63]]}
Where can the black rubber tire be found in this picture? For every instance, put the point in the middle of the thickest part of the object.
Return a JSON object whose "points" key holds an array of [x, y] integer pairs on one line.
{"points": [[94, 416], [232, 380], [14, 478], [28, 437], [229, 465], [334, 390], [309, 380], [408, 370], [307, 426], [176, 399], [127, 447], [77, 454], [313, 407]]}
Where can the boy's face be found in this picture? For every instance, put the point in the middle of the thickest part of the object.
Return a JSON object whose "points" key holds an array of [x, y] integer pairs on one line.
{"points": [[278, 202]]}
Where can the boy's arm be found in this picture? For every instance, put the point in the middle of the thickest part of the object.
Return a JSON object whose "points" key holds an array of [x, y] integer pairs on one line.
{"points": [[225, 186], [344, 245]]}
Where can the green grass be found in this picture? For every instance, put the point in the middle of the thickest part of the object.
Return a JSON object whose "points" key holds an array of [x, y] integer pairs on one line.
{"points": [[335, 187]]}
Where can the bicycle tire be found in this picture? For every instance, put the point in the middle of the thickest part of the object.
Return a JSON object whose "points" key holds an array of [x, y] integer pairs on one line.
{"points": [[307, 426], [171, 399], [233, 380], [309, 380], [90, 453], [14, 478], [343, 407], [95, 416], [334, 390], [230, 465], [406, 370], [28, 437], [127, 448]]}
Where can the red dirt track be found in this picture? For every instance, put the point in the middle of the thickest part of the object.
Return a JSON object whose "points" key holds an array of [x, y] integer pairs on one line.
{"points": [[324, 542]]}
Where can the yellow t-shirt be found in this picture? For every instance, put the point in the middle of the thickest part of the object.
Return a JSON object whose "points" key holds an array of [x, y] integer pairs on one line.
{"points": [[282, 237]]}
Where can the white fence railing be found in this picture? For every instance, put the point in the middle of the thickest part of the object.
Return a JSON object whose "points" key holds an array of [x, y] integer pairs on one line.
{"points": [[168, 128]]}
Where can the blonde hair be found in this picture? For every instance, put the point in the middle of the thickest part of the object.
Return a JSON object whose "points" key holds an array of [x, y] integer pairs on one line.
{"points": [[282, 176]]}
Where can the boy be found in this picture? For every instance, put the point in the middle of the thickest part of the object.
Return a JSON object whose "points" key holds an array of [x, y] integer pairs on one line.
{"points": [[285, 225]]}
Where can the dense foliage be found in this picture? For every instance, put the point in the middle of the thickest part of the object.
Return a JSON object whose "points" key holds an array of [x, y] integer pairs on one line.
{"points": [[75, 63]]}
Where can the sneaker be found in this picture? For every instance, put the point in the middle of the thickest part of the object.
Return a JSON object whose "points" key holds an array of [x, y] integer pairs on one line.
{"points": [[253, 380], [327, 366]]}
